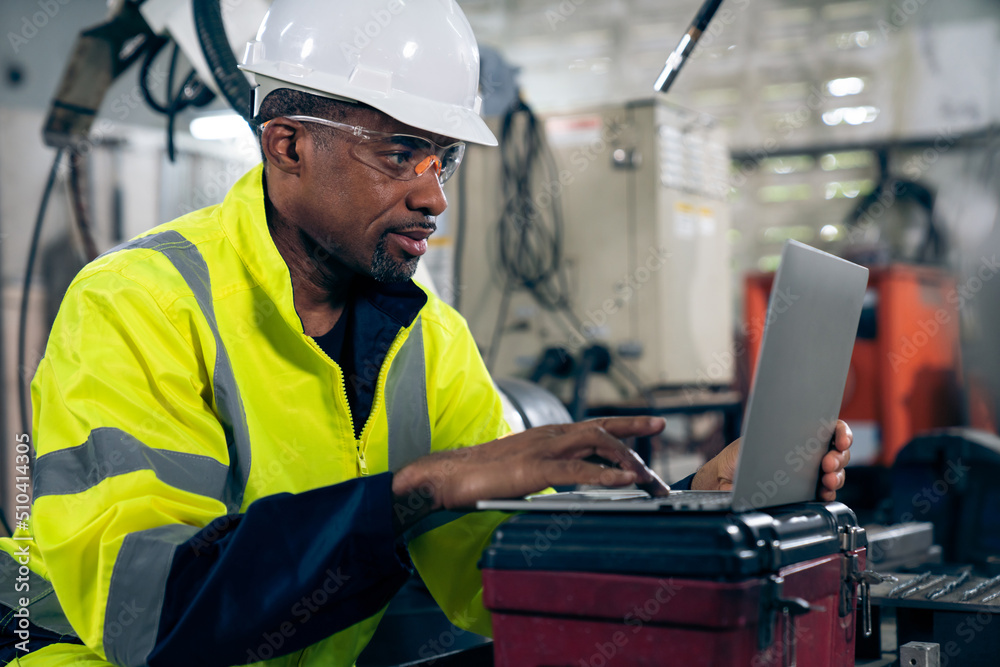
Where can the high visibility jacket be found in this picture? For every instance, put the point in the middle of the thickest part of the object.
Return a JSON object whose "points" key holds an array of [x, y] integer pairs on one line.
{"points": [[178, 405]]}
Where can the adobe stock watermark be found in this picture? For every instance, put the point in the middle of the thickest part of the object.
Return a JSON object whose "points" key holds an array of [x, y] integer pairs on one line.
{"points": [[553, 532], [900, 15], [581, 159], [31, 25], [627, 288], [424, 497], [365, 34], [723, 364], [302, 611], [635, 620], [213, 189], [115, 624], [914, 168], [922, 502], [924, 499], [105, 129], [967, 629], [802, 455], [787, 125], [930, 327], [783, 647], [726, 16], [917, 165], [561, 13]]}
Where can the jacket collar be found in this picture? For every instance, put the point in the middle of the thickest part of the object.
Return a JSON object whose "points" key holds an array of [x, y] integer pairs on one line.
{"points": [[244, 222]]}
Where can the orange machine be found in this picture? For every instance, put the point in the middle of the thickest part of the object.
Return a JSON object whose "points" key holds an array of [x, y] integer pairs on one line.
{"points": [[904, 375]]}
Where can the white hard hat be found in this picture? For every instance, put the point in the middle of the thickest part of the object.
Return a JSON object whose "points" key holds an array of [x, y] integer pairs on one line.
{"points": [[415, 60]]}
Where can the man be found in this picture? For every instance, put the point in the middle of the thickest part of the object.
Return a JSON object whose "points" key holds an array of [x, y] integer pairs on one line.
{"points": [[236, 412]]}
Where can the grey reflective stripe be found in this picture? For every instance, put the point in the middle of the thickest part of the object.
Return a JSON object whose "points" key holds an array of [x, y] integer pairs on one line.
{"points": [[191, 265], [435, 520], [43, 606], [111, 451], [138, 586], [406, 402]]}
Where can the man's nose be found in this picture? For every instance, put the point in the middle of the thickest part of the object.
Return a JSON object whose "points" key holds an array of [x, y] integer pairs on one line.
{"points": [[426, 194]]}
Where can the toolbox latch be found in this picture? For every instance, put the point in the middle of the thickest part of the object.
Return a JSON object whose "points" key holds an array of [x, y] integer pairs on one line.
{"points": [[852, 538], [852, 576], [773, 604]]}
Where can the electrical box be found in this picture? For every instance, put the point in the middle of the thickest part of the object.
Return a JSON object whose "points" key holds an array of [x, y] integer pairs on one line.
{"points": [[643, 189]]}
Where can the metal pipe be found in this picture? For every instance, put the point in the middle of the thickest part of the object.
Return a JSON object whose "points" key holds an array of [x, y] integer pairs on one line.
{"points": [[922, 587], [981, 588], [948, 588], [680, 55], [896, 590]]}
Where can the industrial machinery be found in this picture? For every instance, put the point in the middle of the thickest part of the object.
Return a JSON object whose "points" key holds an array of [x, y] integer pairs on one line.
{"points": [[943, 480], [903, 378], [640, 245]]}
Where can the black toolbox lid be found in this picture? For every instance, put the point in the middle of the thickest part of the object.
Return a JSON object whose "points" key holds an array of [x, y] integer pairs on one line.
{"points": [[696, 544]]}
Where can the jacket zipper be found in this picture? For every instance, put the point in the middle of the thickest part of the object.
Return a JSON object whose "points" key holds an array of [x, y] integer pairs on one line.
{"points": [[362, 464], [377, 403]]}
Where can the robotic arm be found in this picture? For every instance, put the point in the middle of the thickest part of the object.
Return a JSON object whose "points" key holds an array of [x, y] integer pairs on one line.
{"points": [[138, 29]]}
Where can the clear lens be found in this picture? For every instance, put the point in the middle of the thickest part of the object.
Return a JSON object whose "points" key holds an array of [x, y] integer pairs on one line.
{"points": [[397, 155]]}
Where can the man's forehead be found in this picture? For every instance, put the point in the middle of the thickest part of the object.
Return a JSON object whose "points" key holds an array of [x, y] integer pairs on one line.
{"points": [[373, 119]]}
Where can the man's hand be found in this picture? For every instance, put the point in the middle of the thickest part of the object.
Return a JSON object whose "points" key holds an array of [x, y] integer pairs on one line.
{"points": [[528, 462], [720, 471]]}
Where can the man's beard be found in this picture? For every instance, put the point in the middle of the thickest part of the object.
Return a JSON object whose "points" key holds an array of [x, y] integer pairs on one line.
{"points": [[385, 269]]}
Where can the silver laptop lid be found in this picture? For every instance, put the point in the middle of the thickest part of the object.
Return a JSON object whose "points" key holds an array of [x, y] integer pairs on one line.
{"points": [[795, 397]]}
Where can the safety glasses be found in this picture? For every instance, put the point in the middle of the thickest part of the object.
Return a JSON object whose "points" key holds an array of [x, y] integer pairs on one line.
{"points": [[401, 156]]}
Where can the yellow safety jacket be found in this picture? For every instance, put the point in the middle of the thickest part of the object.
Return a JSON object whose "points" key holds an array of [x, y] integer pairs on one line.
{"points": [[178, 388]]}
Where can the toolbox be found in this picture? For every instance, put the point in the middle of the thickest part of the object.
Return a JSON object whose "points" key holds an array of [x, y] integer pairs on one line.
{"points": [[752, 589]]}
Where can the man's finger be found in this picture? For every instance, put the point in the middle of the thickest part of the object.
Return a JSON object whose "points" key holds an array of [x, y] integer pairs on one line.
{"points": [[628, 459], [574, 471], [833, 480], [630, 427], [584, 441], [592, 438], [834, 461], [842, 437]]}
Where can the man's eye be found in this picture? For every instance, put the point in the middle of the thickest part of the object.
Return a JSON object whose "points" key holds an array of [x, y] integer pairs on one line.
{"points": [[399, 158]]}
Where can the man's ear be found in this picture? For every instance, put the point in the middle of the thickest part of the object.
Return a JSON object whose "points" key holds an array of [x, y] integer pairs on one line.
{"points": [[281, 143]]}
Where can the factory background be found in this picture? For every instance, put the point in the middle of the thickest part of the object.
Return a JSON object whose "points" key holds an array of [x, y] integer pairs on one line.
{"points": [[810, 102], [785, 124]]}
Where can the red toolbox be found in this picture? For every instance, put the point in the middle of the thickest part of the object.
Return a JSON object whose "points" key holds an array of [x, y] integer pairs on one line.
{"points": [[597, 589]]}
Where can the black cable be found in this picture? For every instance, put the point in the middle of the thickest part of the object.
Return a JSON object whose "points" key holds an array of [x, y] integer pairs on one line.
{"points": [[191, 93], [173, 102], [81, 208], [153, 49], [933, 245], [219, 55], [22, 326], [529, 234]]}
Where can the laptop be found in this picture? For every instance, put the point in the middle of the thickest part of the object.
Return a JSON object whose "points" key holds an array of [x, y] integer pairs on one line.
{"points": [[795, 397]]}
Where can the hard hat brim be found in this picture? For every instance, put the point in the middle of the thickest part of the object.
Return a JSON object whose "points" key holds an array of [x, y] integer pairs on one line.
{"points": [[454, 121]]}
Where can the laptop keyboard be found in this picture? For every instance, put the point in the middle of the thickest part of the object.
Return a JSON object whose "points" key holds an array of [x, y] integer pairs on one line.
{"points": [[697, 500]]}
